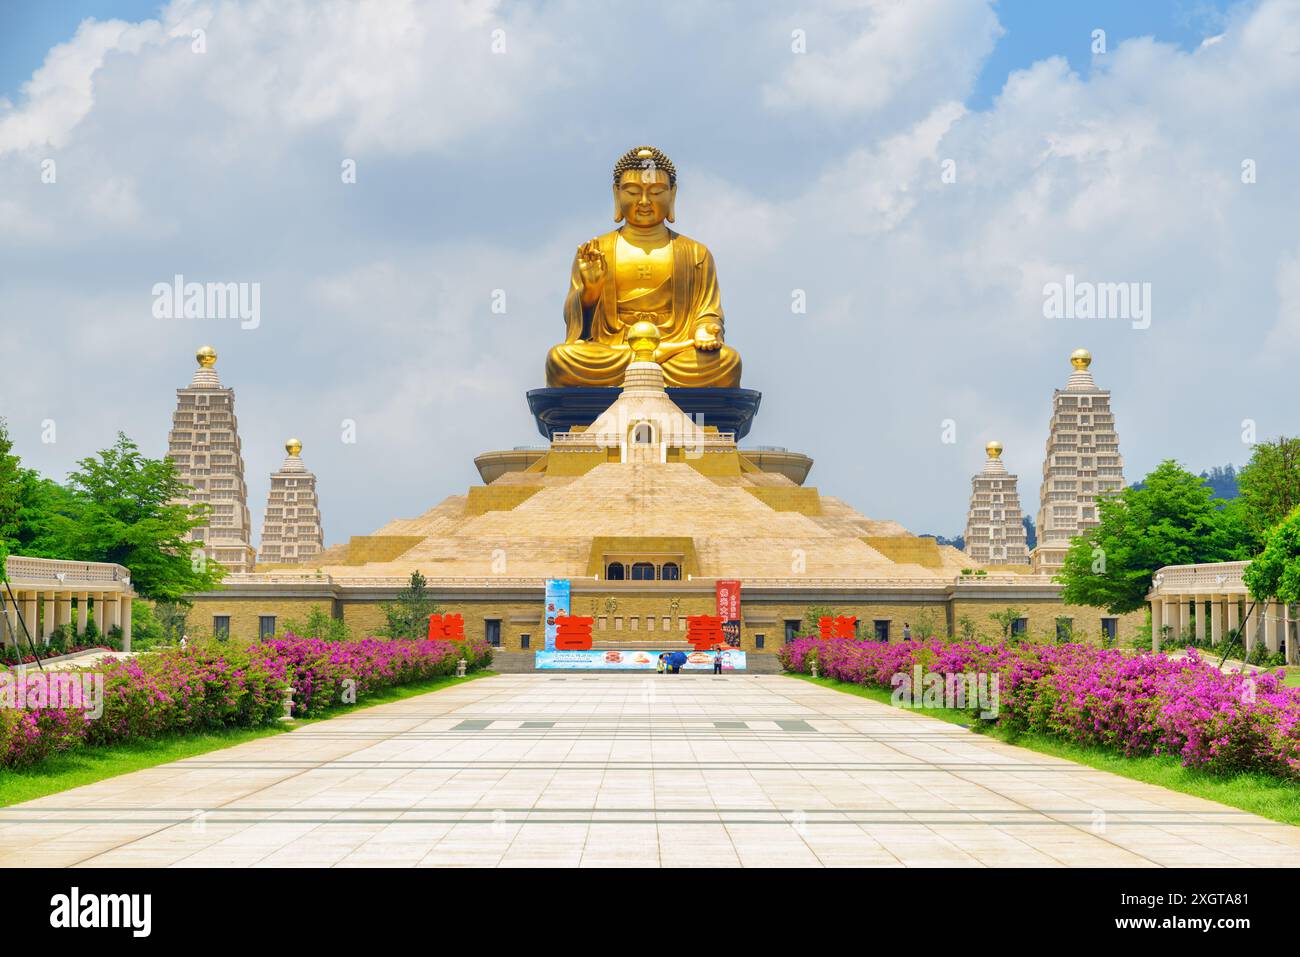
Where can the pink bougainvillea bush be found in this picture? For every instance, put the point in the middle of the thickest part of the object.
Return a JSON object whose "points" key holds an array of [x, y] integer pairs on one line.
{"points": [[327, 673], [1135, 704], [214, 686]]}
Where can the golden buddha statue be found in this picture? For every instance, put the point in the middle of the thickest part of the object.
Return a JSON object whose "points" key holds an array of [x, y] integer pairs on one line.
{"points": [[643, 272]]}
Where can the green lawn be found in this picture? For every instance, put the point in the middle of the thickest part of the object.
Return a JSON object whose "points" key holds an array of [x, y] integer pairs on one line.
{"points": [[88, 765], [1259, 794]]}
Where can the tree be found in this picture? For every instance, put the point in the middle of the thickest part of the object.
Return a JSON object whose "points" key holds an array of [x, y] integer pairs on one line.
{"points": [[1270, 483], [319, 624], [123, 507], [1006, 618], [812, 619], [408, 617], [1171, 520], [1275, 574], [10, 496]]}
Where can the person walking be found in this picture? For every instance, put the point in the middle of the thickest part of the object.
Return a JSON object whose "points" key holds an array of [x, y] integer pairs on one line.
{"points": [[659, 666]]}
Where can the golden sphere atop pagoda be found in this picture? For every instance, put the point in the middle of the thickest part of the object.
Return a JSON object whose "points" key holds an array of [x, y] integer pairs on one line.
{"points": [[994, 449], [206, 356], [643, 338], [1081, 358], [292, 446]]}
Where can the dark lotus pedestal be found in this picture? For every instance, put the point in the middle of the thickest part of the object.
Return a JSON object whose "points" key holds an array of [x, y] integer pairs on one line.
{"points": [[558, 410]]}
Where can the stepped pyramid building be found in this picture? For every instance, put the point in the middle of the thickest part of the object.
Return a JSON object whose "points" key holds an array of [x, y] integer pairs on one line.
{"points": [[995, 531], [1082, 462], [291, 527], [204, 445]]}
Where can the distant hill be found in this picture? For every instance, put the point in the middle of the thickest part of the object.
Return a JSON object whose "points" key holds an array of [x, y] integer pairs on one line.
{"points": [[1221, 479]]}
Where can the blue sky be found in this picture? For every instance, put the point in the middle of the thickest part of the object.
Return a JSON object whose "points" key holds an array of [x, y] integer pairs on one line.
{"points": [[817, 171]]}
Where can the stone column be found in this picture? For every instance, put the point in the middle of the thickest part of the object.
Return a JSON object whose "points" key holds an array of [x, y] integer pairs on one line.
{"points": [[29, 616], [1198, 613], [1157, 617], [64, 609], [1234, 614], [1271, 614], [1170, 617], [47, 616], [1184, 616], [83, 607], [1292, 653], [1216, 619], [126, 622], [110, 612]]}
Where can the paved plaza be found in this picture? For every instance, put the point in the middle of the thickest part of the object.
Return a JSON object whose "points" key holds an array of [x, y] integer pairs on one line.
{"points": [[687, 770]]}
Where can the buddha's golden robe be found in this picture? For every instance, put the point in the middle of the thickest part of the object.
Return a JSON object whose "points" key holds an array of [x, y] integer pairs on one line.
{"points": [[595, 352]]}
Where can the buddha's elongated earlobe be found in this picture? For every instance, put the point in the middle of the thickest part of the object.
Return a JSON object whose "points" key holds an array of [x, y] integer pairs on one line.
{"points": [[672, 205], [618, 211]]}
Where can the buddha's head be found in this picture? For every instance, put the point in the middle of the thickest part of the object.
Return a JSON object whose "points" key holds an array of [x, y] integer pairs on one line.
{"points": [[645, 187]]}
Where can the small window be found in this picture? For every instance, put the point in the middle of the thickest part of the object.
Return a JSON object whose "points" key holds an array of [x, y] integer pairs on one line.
{"points": [[643, 572], [671, 572], [1064, 628], [492, 632], [1110, 628], [650, 623], [266, 626], [882, 629], [1019, 628], [758, 642], [792, 629], [633, 623], [614, 572], [525, 641], [220, 626]]}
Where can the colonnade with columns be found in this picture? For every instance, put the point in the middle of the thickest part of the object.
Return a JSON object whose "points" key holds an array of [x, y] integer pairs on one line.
{"points": [[42, 595], [1213, 615]]}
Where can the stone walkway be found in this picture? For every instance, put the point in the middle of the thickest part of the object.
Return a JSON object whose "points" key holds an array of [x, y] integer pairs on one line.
{"points": [[566, 770]]}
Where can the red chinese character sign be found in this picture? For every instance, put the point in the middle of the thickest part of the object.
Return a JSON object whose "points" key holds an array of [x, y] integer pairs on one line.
{"points": [[446, 628], [841, 626], [573, 633], [704, 631]]}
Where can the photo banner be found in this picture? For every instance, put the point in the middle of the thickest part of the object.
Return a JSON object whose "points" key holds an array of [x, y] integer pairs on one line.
{"points": [[557, 603], [728, 597], [631, 660]]}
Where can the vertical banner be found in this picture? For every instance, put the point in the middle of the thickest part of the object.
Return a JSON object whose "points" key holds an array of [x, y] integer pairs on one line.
{"points": [[729, 610], [557, 603]]}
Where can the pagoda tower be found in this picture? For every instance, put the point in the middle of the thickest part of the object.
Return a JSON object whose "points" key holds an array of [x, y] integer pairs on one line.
{"points": [[291, 528], [1082, 462], [204, 445], [995, 531]]}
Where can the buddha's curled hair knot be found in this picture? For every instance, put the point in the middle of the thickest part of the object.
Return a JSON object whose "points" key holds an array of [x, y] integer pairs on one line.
{"points": [[645, 158]]}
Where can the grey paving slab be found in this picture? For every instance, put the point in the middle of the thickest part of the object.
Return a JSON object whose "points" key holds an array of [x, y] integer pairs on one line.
{"points": [[624, 771]]}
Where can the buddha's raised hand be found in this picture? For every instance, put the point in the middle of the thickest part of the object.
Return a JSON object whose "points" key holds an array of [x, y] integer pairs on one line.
{"points": [[591, 267]]}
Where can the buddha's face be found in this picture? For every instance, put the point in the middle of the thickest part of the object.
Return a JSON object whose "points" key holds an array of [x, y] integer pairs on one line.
{"points": [[643, 197]]}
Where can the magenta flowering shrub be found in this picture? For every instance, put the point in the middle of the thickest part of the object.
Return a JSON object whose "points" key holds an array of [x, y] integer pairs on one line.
{"points": [[326, 674], [228, 685], [1143, 704]]}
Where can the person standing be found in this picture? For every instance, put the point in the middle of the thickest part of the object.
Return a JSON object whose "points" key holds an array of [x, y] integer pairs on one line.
{"points": [[717, 662], [907, 632]]}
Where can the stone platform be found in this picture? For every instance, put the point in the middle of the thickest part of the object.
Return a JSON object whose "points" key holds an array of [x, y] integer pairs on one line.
{"points": [[558, 410]]}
